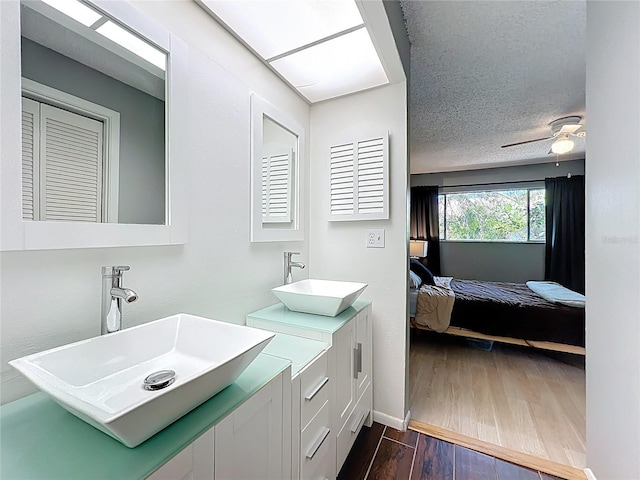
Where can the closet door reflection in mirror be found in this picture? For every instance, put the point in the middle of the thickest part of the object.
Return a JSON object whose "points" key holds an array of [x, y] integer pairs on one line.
{"points": [[94, 118]]}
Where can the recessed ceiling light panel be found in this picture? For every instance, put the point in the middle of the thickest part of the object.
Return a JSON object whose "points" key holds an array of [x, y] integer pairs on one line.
{"points": [[339, 66], [279, 26], [76, 10], [131, 42]]}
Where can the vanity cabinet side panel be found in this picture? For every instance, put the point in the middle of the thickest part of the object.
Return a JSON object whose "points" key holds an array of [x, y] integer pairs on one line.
{"points": [[249, 442]]}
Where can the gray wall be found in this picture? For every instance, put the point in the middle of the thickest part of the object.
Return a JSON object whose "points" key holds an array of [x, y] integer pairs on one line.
{"points": [[142, 151], [500, 262], [497, 262]]}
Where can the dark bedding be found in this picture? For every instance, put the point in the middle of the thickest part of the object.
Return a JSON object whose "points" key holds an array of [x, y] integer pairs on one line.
{"points": [[513, 310]]}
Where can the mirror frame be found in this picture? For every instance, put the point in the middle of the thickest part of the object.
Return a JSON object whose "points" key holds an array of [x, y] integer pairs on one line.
{"points": [[19, 234], [259, 109]]}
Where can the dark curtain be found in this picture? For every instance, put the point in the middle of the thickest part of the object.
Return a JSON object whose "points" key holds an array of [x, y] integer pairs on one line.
{"points": [[565, 225], [424, 223]]}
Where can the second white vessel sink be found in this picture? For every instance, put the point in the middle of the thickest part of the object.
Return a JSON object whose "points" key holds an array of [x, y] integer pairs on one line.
{"points": [[102, 380], [320, 297]]}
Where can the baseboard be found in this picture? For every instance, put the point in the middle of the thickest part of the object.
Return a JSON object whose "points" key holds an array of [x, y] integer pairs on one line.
{"points": [[389, 421], [407, 418], [589, 474]]}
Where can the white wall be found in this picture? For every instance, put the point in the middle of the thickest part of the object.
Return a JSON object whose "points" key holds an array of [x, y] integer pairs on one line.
{"points": [[613, 240], [49, 298], [337, 249]]}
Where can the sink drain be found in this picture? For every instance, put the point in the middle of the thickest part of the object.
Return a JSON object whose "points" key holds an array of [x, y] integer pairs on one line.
{"points": [[159, 380]]}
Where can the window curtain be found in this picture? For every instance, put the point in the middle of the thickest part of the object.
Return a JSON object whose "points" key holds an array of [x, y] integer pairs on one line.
{"points": [[565, 231], [424, 223]]}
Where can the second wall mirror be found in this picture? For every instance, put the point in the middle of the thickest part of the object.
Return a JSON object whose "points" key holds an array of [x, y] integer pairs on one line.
{"points": [[277, 144]]}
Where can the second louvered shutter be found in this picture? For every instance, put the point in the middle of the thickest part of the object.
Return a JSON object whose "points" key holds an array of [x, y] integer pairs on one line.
{"points": [[276, 188]]}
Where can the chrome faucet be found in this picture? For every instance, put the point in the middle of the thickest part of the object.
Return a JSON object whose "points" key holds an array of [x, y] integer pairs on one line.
{"points": [[113, 294], [288, 264]]}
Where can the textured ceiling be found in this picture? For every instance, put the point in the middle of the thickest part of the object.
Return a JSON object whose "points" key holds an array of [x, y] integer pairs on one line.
{"points": [[490, 73]]}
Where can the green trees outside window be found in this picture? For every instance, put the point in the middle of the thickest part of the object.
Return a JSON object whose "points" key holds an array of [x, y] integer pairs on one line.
{"points": [[515, 215]]}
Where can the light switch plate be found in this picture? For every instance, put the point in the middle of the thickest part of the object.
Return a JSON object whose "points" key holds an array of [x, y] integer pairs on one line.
{"points": [[375, 238]]}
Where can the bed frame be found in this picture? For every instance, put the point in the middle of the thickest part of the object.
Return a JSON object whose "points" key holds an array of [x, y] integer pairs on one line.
{"points": [[464, 332]]}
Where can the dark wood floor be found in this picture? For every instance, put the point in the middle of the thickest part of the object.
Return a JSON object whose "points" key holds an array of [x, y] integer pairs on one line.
{"points": [[383, 453]]}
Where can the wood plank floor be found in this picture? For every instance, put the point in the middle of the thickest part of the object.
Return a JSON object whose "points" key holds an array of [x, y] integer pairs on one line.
{"points": [[383, 453], [515, 397]]}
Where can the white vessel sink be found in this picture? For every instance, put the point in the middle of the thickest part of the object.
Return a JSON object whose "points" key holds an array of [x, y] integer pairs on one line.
{"points": [[321, 297], [100, 380]]}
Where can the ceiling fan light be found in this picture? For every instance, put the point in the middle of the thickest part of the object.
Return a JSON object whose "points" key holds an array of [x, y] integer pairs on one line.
{"points": [[562, 145]]}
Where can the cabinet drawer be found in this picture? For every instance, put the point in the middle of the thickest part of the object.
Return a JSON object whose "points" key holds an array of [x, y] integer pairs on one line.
{"points": [[314, 389], [352, 427], [323, 468], [315, 443]]}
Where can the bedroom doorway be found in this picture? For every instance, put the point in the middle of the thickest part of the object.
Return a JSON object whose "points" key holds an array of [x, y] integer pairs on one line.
{"points": [[509, 369]]}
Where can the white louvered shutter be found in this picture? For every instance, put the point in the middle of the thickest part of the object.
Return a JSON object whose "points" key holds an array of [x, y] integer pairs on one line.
{"points": [[342, 182], [71, 166], [276, 188], [30, 158], [360, 180]]}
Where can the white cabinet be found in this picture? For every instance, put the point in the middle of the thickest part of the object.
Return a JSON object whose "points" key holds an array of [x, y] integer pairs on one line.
{"points": [[249, 443], [364, 353], [193, 463], [350, 392], [181, 466], [353, 392], [311, 391], [312, 446]]}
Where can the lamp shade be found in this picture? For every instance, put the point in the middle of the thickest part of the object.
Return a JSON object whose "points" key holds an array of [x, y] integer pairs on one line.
{"points": [[418, 248]]}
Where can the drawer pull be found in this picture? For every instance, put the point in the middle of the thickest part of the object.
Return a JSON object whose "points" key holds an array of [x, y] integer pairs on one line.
{"points": [[318, 443], [315, 391], [356, 425], [357, 360]]}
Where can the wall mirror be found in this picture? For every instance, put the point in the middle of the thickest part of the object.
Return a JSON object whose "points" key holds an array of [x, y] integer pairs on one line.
{"points": [[276, 166], [98, 87]]}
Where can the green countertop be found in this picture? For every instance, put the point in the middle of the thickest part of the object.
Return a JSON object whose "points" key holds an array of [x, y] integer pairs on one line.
{"points": [[281, 314], [299, 350], [39, 439]]}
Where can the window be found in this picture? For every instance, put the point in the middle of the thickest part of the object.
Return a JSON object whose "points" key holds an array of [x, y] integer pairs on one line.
{"points": [[509, 215]]}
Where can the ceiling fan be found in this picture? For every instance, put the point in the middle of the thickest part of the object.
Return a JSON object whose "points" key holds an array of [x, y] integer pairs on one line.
{"points": [[562, 130]]}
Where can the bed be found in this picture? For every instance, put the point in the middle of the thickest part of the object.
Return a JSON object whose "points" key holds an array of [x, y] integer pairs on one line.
{"points": [[499, 311]]}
